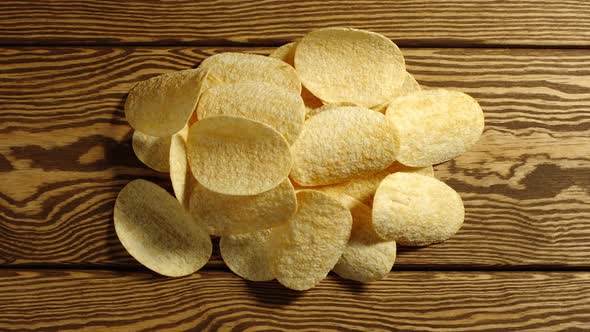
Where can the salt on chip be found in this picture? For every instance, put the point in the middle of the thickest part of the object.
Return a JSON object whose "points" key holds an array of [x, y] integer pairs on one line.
{"points": [[180, 174], [343, 64], [279, 108], [236, 156], [435, 126], [305, 249], [235, 214], [232, 67], [410, 85], [153, 151], [341, 143], [157, 231], [247, 255], [162, 105], [367, 257], [416, 210]]}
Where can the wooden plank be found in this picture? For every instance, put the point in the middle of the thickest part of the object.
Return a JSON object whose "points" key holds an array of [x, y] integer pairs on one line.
{"points": [[52, 300], [227, 22], [65, 153]]}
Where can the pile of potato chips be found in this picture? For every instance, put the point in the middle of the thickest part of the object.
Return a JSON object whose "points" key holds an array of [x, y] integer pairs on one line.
{"points": [[317, 158]]}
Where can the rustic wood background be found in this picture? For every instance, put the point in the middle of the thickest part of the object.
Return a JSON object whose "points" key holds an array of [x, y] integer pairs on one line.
{"points": [[521, 261]]}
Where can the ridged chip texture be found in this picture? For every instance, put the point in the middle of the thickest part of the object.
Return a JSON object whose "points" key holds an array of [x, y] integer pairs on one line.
{"points": [[304, 250], [235, 214], [277, 107], [416, 210], [247, 255], [343, 64], [435, 126], [341, 143], [157, 231], [236, 156]]}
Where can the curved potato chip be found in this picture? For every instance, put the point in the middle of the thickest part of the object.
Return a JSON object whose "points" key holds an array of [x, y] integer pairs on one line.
{"points": [[230, 214], [247, 255], [343, 64], [434, 126], [153, 151], [158, 232], [279, 108], [410, 85], [162, 105], [340, 143], [180, 174], [363, 187], [237, 156], [285, 53], [304, 250], [236, 67], [326, 107], [367, 257], [416, 210]]}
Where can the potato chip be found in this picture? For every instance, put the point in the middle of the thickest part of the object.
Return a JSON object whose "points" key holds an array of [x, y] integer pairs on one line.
{"points": [[340, 143], [326, 107], [363, 187], [367, 257], [279, 108], [153, 151], [236, 67], [343, 64], [235, 214], [304, 250], [435, 126], [162, 105], [416, 210], [158, 232], [247, 255], [180, 174], [285, 53], [410, 86], [237, 156]]}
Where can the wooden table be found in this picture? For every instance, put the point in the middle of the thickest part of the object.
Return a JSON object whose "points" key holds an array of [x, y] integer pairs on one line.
{"points": [[521, 261]]}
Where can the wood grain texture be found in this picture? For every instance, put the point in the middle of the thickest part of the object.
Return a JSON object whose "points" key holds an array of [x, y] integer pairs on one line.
{"points": [[65, 153], [227, 22], [52, 300]]}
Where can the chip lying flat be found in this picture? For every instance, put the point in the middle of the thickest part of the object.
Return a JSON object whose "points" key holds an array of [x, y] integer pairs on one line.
{"points": [[410, 85], [435, 126], [279, 108], [230, 214], [341, 64], [367, 257], [158, 232], [236, 156], [162, 105], [247, 255], [416, 210], [180, 174], [341, 143], [237, 67], [306, 248]]}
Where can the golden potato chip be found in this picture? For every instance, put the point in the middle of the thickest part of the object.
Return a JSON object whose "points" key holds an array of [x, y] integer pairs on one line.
{"points": [[326, 107], [236, 67], [158, 232], [435, 126], [343, 64], [285, 53], [162, 105], [416, 210], [367, 257], [180, 174], [236, 156], [311, 102], [410, 86], [235, 214], [279, 108], [247, 255], [363, 187], [306, 248], [153, 151], [340, 143]]}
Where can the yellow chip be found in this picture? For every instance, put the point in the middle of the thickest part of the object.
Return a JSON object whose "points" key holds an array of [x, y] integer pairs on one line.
{"points": [[367, 257], [341, 143], [363, 187], [285, 53], [342, 64], [236, 156], [158, 232], [247, 255], [231, 214], [304, 250], [162, 105], [416, 210], [279, 108], [180, 174], [153, 151], [435, 126], [410, 86], [236, 67], [326, 107]]}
